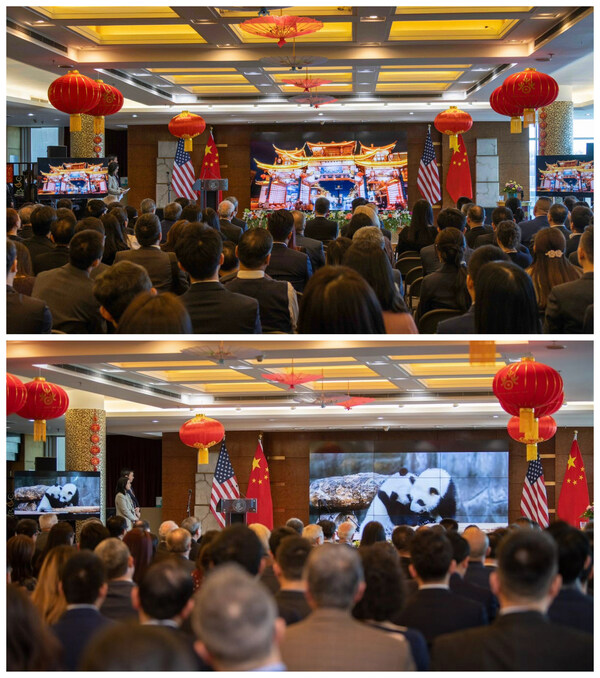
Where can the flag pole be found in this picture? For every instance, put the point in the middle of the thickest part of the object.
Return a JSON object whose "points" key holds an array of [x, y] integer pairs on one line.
{"points": [[260, 436], [575, 435]]}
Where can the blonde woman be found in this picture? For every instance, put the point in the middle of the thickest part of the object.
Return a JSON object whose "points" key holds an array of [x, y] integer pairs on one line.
{"points": [[48, 597]]}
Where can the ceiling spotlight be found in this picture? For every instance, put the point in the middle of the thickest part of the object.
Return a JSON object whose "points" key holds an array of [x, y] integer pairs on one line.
{"points": [[371, 19], [31, 115], [411, 113], [134, 115], [155, 421]]}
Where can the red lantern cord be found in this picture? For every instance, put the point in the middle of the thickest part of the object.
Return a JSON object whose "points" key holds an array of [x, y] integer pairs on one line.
{"points": [[281, 27]]}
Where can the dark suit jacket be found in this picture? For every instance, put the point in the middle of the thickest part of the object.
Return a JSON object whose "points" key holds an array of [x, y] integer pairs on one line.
{"points": [[74, 630], [289, 265], [565, 231], [431, 262], [437, 611], [292, 606], [68, 292], [476, 593], [161, 267], [55, 258], [462, 324], [215, 310], [478, 574], [230, 231], [165, 225], [321, 229], [566, 305], [531, 227], [37, 245], [573, 242], [25, 315], [572, 608], [240, 223], [436, 291], [117, 604], [472, 234], [522, 259], [520, 641], [314, 249]]}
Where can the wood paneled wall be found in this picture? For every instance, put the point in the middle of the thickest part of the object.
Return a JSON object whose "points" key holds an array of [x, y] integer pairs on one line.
{"points": [[234, 153], [288, 457]]}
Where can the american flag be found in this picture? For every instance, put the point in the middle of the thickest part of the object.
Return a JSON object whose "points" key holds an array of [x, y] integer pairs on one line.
{"points": [[224, 485], [534, 502], [183, 173], [428, 177]]}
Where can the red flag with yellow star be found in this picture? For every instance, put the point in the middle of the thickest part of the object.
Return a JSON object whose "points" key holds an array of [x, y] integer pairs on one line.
{"points": [[259, 488], [458, 179], [574, 496], [211, 167]]}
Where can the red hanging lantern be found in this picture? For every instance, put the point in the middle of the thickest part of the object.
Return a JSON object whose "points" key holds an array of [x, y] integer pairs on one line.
{"points": [[187, 126], [530, 89], [544, 429], [111, 102], [453, 122], [74, 94], [500, 103], [281, 27], [550, 408], [201, 432], [523, 386], [16, 394], [44, 401]]}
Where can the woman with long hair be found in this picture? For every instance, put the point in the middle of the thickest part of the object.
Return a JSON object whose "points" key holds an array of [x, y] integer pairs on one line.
{"points": [[123, 501], [446, 288], [48, 596], [114, 239], [139, 543], [550, 265], [372, 533], [421, 232], [336, 250], [357, 221], [19, 559]]}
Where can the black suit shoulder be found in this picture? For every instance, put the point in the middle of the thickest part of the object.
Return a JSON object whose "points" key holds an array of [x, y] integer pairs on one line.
{"points": [[26, 315]]}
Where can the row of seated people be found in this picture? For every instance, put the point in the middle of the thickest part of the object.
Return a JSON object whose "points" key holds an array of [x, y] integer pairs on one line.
{"points": [[270, 286], [433, 599]]}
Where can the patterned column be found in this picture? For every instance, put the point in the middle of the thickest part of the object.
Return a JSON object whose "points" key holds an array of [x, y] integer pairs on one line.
{"points": [[556, 129], [82, 143], [204, 479]]}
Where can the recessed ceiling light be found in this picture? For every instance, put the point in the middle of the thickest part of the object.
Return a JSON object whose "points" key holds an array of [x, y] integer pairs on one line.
{"points": [[200, 22], [365, 70], [379, 418], [155, 421], [494, 416], [319, 113], [371, 19], [31, 115], [134, 115], [481, 69], [411, 113]]}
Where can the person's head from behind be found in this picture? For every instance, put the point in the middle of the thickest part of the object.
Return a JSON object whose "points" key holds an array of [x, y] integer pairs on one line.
{"points": [[346, 531], [402, 537], [372, 532], [64, 203], [226, 210], [338, 300], [585, 251], [460, 551], [28, 527], [192, 213], [451, 218], [199, 250], [139, 543], [422, 215], [449, 524], [558, 214], [147, 229], [184, 202], [505, 300], [280, 224], [369, 211], [193, 526], [359, 220], [480, 257], [150, 313], [83, 579], [501, 213], [235, 620], [384, 592], [239, 544], [569, 201], [12, 221], [118, 286], [463, 200], [322, 207], [574, 555], [165, 592], [92, 224], [527, 573], [450, 245], [47, 521], [369, 235], [230, 260], [542, 206], [179, 541], [116, 526], [372, 263], [295, 524], [254, 249], [62, 231], [172, 211], [431, 556], [580, 218], [209, 217], [334, 577], [11, 259], [95, 208], [147, 206], [290, 558], [67, 214], [328, 527], [277, 535], [61, 534], [19, 557], [508, 235], [357, 202], [299, 221], [86, 249], [92, 534], [314, 534], [115, 557], [478, 542], [42, 219]]}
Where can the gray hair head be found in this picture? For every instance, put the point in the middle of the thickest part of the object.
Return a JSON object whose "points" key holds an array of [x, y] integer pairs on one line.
{"points": [[371, 235], [192, 524], [333, 573], [165, 528], [226, 209], [114, 554], [147, 206]]}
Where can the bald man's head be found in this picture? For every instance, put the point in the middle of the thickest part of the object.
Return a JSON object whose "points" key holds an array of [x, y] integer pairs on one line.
{"points": [[478, 542]]}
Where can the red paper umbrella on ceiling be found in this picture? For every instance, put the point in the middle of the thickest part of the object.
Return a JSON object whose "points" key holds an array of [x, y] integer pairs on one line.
{"points": [[307, 83], [291, 379], [44, 401], [313, 100], [74, 94], [111, 102], [201, 432], [530, 89], [354, 402], [281, 27], [501, 104], [16, 394]]}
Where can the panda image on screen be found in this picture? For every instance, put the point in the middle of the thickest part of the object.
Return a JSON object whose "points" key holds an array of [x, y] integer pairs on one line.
{"points": [[391, 504], [59, 496], [433, 496]]}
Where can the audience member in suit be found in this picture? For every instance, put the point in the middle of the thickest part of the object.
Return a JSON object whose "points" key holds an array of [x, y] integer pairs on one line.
{"points": [[68, 290], [161, 266], [194, 527], [434, 609], [540, 220], [476, 226], [179, 544], [116, 526], [42, 219], [192, 212], [508, 239], [465, 324], [84, 586], [448, 218], [277, 299], [151, 313], [290, 559], [572, 606], [581, 217], [461, 550], [337, 642], [514, 205], [234, 219], [119, 567], [236, 623], [401, 539], [231, 264], [172, 214], [62, 232], [228, 229], [320, 227], [163, 530], [478, 549], [13, 224], [286, 263], [312, 247], [522, 638], [558, 217], [212, 307], [499, 214], [24, 315], [421, 231], [25, 212], [357, 222], [447, 287], [588, 320], [117, 287]]}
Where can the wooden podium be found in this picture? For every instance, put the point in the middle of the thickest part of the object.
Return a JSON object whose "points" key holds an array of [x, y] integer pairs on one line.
{"points": [[235, 510]]}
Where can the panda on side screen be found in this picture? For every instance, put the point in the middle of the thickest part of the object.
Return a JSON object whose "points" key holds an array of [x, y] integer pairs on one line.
{"points": [[391, 504], [59, 496], [433, 496]]}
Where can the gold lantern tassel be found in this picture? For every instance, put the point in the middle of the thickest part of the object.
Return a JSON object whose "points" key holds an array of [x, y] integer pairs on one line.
{"points": [[98, 124], [532, 452], [527, 423], [75, 122], [454, 142], [529, 116], [188, 145], [202, 455], [39, 430], [515, 125]]}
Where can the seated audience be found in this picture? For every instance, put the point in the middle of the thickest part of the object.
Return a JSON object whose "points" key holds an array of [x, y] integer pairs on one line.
{"points": [[447, 218], [47, 521], [13, 224], [372, 533], [372, 235], [295, 524], [92, 533], [521, 638], [335, 583], [336, 250], [320, 227], [24, 280], [117, 287], [328, 527], [119, 567], [567, 303], [116, 526], [172, 213], [24, 315], [212, 307], [230, 266], [61, 232], [581, 218], [514, 205], [29, 527], [345, 533], [19, 561], [42, 219], [313, 533], [163, 530], [267, 576], [540, 220], [147, 206], [479, 546], [203, 558], [151, 313], [508, 239], [95, 208], [358, 221], [420, 232], [312, 246], [401, 538], [209, 217], [506, 301], [179, 544], [234, 219], [238, 544], [174, 233], [558, 217], [139, 543], [115, 241], [288, 566], [229, 230], [194, 526], [499, 214], [286, 263]]}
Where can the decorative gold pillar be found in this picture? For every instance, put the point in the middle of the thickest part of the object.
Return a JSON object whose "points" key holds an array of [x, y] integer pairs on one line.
{"points": [[556, 129], [82, 143]]}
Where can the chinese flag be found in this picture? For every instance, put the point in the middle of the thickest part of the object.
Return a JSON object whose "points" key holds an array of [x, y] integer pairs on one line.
{"points": [[259, 488], [574, 496], [211, 168], [458, 179]]}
